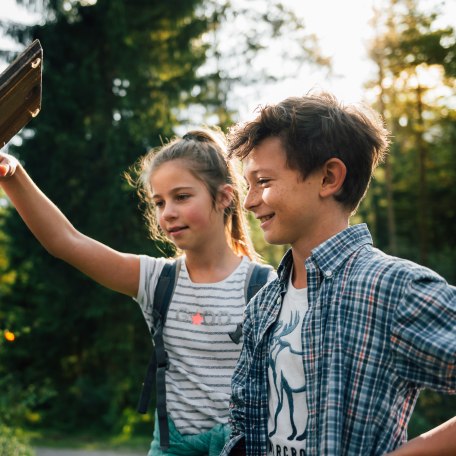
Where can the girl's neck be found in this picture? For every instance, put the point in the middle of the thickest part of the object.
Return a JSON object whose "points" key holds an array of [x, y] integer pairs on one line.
{"points": [[211, 267]]}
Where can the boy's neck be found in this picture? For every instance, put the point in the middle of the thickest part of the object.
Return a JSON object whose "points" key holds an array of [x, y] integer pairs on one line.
{"points": [[303, 249]]}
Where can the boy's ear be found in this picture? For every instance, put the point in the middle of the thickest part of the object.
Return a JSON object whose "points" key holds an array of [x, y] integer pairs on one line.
{"points": [[334, 172], [225, 196]]}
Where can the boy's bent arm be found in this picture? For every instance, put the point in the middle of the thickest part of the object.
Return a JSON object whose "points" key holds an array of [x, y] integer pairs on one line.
{"points": [[423, 341], [440, 441], [115, 270]]}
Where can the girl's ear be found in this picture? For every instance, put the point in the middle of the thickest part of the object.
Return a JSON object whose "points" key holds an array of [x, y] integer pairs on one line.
{"points": [[224, 196], [334, 172]]}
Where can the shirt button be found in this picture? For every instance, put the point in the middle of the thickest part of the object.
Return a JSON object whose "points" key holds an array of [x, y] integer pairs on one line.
{"points": [[328, 274]]}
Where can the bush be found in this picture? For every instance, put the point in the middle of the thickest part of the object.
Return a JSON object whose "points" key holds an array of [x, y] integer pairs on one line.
{"points": [[14, 443]]}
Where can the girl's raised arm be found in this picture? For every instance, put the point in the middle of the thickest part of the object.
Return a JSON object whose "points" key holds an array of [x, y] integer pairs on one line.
{"points": [[115, 270]]}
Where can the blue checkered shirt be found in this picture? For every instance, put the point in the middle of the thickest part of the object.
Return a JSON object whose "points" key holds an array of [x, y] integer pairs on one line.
{"points": [[377, 331]]}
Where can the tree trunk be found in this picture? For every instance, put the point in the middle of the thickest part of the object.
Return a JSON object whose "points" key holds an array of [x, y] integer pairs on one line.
{"points": [[423, 203]]}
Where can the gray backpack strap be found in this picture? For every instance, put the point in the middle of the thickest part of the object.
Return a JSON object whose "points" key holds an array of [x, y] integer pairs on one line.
{"points": [[255, 279], [159, 363], [257, 276]]}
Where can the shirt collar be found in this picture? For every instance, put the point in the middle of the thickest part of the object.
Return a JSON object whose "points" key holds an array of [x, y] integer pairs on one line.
{"points": [[332, 253]]}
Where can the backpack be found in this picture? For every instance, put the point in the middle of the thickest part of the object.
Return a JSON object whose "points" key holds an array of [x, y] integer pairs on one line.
{"points": [[257, 276]]}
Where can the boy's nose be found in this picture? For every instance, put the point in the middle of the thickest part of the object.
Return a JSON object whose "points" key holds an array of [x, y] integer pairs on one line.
{"points": [[250, 200]]}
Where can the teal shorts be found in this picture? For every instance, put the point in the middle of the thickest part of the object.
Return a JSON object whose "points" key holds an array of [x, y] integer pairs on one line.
{"points": [[208, 443]]}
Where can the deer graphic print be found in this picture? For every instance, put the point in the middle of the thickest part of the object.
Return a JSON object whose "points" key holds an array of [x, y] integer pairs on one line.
{"points": [[287, 389]]}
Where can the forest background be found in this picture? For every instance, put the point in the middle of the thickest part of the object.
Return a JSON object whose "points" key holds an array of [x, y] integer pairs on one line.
{"points": [[122, 76]]}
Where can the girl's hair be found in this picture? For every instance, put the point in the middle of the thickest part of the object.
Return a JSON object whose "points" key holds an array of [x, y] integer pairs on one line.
{"points": [[204, 152]]}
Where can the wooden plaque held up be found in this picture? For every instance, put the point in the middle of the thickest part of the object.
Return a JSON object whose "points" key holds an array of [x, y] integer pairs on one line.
{"points": [[20, 91]]}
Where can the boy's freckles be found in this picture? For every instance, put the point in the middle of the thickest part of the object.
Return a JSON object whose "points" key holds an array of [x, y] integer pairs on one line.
{"points": [[286, 205]]}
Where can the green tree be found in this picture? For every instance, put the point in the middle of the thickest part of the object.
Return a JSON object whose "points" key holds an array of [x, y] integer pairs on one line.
{"points": [[414, 91]]}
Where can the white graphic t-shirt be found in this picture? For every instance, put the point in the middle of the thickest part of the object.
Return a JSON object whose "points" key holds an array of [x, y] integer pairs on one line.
{"points": [[287, 390]]}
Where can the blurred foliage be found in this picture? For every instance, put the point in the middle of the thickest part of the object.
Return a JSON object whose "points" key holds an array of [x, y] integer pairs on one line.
{"points": [[431, 410], [16, 409], [14, 442], [17, 403], [415, 92], [7, 276]]}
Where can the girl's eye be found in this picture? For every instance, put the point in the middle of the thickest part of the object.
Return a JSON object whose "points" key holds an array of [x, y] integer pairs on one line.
{"points": [[182, 197], [159, 204]]}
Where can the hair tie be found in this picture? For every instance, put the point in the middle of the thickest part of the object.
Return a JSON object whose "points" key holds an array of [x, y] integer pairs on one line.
{"points": [[197, 135], [189, 137]]}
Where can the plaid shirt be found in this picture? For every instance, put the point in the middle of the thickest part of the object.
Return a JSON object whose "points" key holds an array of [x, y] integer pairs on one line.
{"points": [[378, 329]]}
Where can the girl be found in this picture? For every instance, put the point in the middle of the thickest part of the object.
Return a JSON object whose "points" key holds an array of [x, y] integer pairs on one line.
{"points": [[192, 199]]}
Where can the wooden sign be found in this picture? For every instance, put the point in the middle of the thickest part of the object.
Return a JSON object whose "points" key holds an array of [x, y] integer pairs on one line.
{"points": [[20, 91]]}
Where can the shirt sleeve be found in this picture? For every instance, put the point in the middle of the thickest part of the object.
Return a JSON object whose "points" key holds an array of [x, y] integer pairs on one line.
{"points": [[423, 338]]}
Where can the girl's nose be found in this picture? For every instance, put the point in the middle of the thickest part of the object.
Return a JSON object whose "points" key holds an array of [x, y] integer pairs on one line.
{"points": [[169, 212]]}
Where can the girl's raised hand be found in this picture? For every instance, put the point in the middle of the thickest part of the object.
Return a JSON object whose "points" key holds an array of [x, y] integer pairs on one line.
{"points": [[115, 270], [8, 165]]}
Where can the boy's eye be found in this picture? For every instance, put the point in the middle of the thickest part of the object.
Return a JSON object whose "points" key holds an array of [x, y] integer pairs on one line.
{"points": [[262, 181]]}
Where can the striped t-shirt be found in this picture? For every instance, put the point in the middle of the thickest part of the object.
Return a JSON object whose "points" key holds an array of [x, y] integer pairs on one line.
{"points": [[202, 356]]}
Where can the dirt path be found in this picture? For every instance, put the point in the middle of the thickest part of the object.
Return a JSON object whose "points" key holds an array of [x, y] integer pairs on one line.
{"points": [[63, 452]]}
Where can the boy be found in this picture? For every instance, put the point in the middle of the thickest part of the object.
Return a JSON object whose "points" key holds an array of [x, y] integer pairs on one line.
{"points": [[338, 347]]}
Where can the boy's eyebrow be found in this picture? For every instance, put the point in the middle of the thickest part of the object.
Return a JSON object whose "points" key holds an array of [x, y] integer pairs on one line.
{"points": [[174, 190], [257, 171]]}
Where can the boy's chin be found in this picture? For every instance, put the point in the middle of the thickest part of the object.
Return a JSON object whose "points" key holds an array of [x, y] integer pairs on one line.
{"points": [[275, 240]]}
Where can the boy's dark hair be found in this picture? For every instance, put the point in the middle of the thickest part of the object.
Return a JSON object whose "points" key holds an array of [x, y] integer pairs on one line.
{"points": [[315, 128]]}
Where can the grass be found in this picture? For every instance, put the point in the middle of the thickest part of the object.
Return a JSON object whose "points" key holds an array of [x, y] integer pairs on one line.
{"points": [[90, 441]]}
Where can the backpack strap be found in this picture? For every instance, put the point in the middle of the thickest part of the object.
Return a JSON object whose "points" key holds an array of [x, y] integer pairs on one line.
{"points": [[158, 364], [256, 278]]}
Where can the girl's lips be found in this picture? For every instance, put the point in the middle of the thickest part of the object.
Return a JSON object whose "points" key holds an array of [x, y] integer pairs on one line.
{"points": [[177, 230]]}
